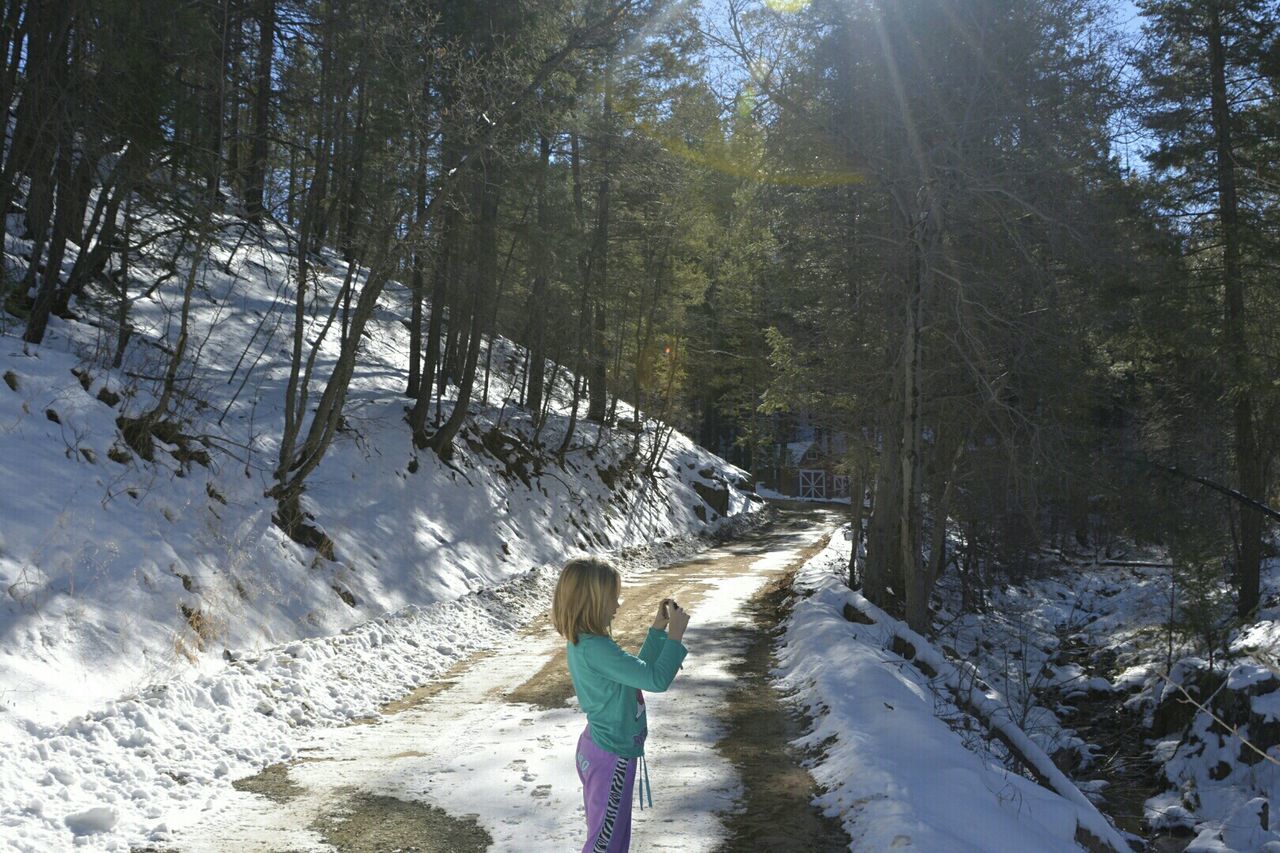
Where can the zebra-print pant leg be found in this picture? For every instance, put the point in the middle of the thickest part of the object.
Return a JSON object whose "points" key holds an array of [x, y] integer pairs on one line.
{"points": [[616, 786], [607, 787]]}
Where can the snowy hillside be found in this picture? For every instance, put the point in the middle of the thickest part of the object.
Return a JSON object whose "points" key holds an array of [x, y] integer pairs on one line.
{"points": [[165, 585]]}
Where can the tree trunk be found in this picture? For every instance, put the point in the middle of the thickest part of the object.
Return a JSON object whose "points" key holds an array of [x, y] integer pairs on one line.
{"points": [[416, 294], [291, 195], [882, 576], [454, 344], [661, 440], [80, 191], [1249, 465], [941, 488], [100, 235], [296, 391], [122, 307], [584, 296], [439, 294], [233, 71], [915, 572], [538, 295], [567, 441], [39, 128], [293, 471], [16, 23], [971, 587], [491, 324], [857, 486], [597, 343], [51, 281], [355, 184], [259, 149], [485, 278], [35, 132], [421, 251], [217, 102], [138, 431], [169, 386], [14, 30], [540, 416]]}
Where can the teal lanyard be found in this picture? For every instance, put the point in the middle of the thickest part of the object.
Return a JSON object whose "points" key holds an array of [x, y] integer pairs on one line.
{"points": [[643, 782]]}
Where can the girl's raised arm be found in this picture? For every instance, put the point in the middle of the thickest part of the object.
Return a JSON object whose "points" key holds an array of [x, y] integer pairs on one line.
{"points": [[616, 665]]}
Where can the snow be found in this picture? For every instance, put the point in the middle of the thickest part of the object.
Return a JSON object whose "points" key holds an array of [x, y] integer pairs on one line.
{"points": [[892, 770], [161, 636], [90, 821], [1246, 675], [509, 764], [1267, 705], [1243, 829], [159, 755], [1114, 613]]}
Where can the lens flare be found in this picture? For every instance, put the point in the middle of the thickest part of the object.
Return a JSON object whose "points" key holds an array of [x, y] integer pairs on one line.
{"points": [[787, 6], [721, 158]]}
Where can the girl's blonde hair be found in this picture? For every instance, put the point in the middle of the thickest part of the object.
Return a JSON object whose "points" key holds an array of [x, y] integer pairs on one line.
{"points": [[584, 593]]}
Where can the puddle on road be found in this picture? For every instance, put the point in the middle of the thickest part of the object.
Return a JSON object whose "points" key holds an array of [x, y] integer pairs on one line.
{"points": [[776, 811], [273, 783], [366, 823]]}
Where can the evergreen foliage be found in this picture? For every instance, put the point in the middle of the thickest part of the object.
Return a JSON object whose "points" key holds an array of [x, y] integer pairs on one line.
{"points": [[903, 223]]}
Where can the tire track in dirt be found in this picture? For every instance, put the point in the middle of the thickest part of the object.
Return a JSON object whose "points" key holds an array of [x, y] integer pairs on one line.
{"points": [[777, 804]]}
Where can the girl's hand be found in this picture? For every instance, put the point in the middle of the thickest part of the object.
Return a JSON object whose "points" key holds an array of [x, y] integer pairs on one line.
{"points": [[660, 620], [679, 621]]}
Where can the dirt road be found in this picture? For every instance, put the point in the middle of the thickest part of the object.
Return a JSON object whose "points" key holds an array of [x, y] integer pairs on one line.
{"points": [[481, 759]]}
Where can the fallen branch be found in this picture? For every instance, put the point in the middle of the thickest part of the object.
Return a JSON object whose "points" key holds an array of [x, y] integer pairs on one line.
{"points": [[1235, 731], [1234, 494], [987, 706]]}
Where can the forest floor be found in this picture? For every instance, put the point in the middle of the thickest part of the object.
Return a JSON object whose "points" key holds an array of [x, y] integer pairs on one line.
{"points": [[481, 758]]}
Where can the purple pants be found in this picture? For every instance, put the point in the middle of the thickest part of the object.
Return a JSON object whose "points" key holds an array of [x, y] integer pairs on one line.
{"points": [[607, 784]]}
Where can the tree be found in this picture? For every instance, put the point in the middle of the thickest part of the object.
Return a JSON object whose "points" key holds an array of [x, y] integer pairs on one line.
{"points": [[1207, 95], [259, 154], [975, 132]]}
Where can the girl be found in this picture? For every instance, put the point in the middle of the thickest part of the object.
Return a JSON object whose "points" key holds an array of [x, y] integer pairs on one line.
{"points": [[608, 682]]}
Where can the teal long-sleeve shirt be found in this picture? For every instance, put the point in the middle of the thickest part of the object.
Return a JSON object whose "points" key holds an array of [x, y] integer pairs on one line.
{"points": [[608, 682]]}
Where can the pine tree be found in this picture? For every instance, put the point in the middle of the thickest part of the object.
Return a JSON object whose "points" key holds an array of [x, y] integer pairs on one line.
{"points": [[1207, 96]]}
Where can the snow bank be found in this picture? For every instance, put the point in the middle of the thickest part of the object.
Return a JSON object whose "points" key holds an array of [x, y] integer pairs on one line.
{"points": [[891, 768]]}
